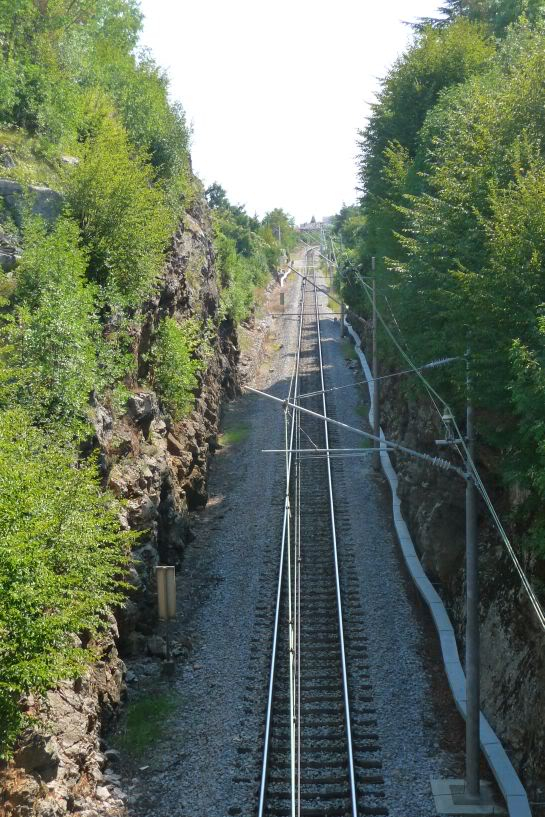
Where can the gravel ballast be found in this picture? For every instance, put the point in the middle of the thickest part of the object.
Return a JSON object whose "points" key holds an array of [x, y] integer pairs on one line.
{"points": [[206, 762]]}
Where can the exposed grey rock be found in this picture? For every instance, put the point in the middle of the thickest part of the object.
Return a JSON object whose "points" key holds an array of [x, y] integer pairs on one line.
{"points": [[70, 160], [8, 260], [7, 160], [103, 422], [103, 793], [142, 407], [9, 187], [112, 755], [10, 252], [46, 202], [38, 753]]}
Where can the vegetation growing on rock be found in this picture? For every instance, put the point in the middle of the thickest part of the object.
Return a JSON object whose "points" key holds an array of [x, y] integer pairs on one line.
{"points": [[179, 353], [62, 556], [86, 112], [248, 250]]}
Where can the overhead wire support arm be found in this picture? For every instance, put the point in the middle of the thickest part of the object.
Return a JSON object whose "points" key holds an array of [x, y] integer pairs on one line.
{"points": [[438, 462]]}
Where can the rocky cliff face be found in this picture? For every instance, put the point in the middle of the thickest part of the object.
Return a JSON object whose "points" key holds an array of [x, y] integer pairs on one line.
{"points": [[512, 646], [160, 469], [157, 466]]}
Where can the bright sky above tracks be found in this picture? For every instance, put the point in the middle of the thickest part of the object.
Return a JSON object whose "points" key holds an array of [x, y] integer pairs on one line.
{"points": [[276, 91]]}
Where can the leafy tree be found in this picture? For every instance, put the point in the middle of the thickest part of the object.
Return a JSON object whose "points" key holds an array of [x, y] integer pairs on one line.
{"points": [[61, 558], [528, 389], [237, 278], [499, 14], [438, 60], [139, 91], [51, 336], [124, 220], [282, 226], [472, 235], [179, 353], [246, 250], [458, 212], [217, 197]]}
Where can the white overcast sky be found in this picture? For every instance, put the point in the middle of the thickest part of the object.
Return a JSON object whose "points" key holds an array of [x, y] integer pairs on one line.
{"points": [[275, 92]]}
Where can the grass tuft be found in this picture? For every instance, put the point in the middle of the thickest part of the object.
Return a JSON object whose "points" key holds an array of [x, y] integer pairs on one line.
{"points": [[234, 434], [144, 723]]}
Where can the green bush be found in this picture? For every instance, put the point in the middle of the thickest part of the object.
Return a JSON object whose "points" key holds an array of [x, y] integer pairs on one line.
{"points": [[124, 220], [50, 338], [455, 185], [179, 353], [61, 558], [237, 284], [247, 250], [139, 91]]}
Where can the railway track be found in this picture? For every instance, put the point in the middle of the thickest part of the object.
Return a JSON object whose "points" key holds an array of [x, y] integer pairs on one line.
{"points": [[321, 750]]}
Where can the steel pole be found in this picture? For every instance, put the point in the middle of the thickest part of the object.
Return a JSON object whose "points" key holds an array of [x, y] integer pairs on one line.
{"points": [[376, 399], [472, 616]]}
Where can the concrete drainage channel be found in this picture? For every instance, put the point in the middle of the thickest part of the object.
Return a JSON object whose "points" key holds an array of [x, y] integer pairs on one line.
{"points": [[498, 761]]}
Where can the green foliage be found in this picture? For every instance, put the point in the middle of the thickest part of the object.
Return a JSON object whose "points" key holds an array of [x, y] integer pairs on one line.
{"points": [[49, 348], [140, 93], [61, 555], [124, 220], [144, 723], [239, 276], [246, 251], [56, 55], [454, 202], [438, 59], [71, 81], [179, 353], [45, 48], [474, 236], [282, 227], [498, 14]]}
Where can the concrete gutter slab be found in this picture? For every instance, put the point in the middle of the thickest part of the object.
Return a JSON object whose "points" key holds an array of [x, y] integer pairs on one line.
{"points": [[449, 796]]}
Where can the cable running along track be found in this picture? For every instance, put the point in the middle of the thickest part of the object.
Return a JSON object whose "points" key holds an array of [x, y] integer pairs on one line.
{"points": [[320, 753]]}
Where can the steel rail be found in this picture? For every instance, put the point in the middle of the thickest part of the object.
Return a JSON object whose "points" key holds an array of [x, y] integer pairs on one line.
{"points": [[351, 772], [298, 564], [268, 719]]}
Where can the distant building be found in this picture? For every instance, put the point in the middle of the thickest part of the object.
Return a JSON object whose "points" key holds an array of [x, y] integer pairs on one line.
{"points": [[313, 226]]}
